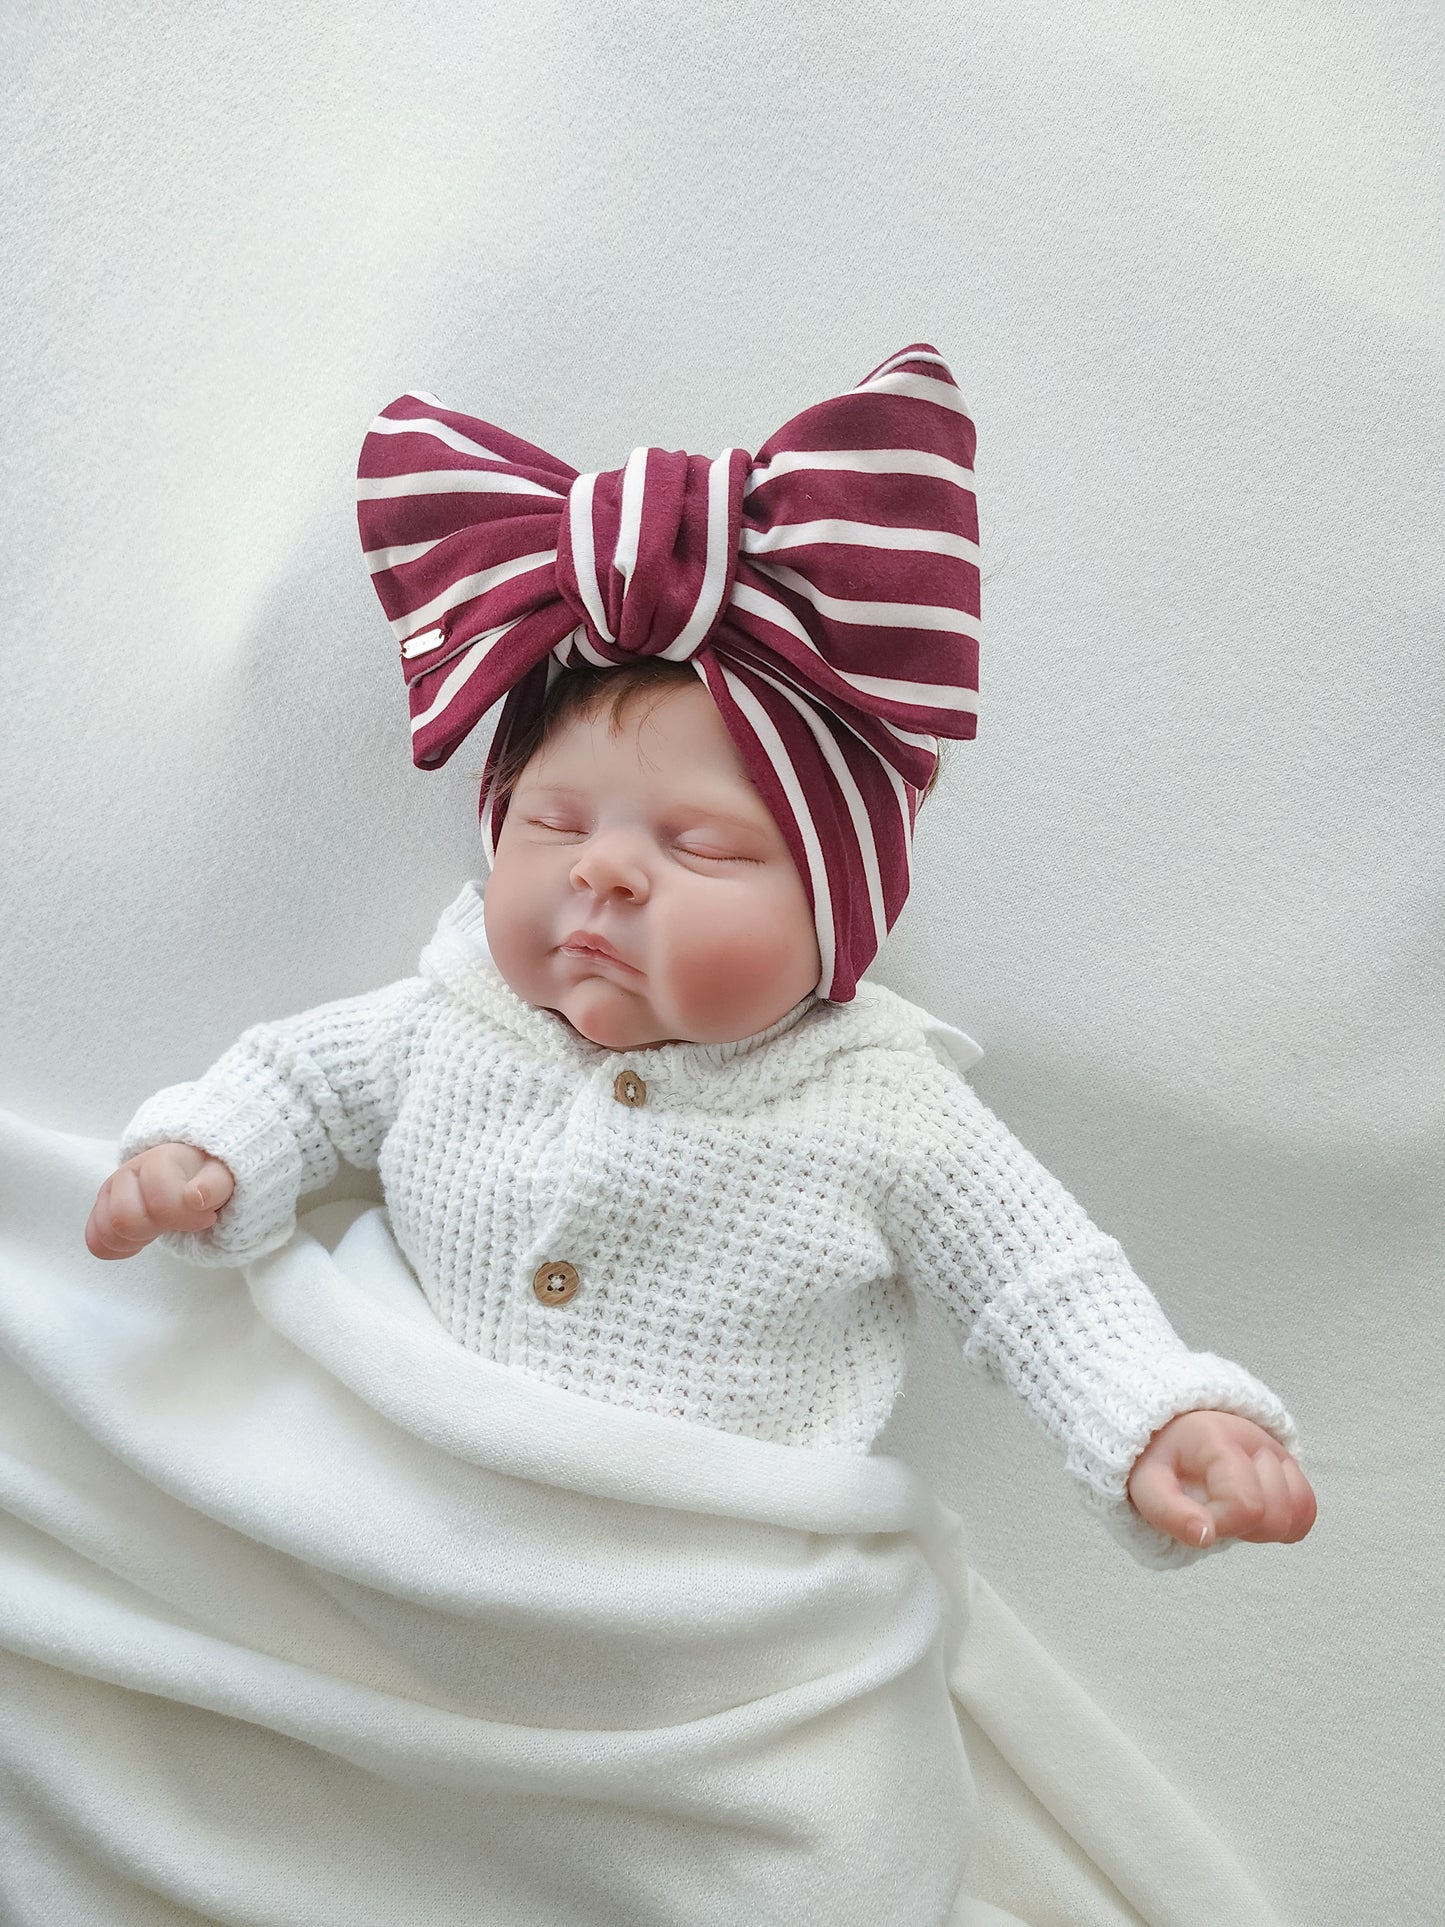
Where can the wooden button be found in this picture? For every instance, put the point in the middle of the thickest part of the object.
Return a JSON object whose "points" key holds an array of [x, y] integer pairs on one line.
{"points": [[555, 1282], [628, 1088]]}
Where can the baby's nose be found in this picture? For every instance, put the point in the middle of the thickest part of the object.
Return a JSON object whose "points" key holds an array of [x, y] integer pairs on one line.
{"points": [[609, 864]]}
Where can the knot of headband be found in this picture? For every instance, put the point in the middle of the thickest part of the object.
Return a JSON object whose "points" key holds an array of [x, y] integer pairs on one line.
{"points": [[826, 591]]}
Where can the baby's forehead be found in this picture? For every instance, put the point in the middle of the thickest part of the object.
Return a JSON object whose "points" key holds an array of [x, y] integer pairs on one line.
{"points": [[671, 749]]}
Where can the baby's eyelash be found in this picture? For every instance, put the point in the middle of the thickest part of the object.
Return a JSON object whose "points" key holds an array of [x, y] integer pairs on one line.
{"points": [[706, 856]]}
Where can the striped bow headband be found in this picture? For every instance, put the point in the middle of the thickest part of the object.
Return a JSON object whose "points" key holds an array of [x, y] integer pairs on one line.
{"points": [[826, 590]]}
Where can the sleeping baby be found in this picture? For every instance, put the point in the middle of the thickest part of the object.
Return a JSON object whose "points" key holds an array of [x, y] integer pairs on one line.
{"points": [[643, 1129]]}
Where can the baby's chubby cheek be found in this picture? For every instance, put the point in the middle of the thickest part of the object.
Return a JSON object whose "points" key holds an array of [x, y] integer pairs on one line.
{"points": [[737, 977], [520, 932]]}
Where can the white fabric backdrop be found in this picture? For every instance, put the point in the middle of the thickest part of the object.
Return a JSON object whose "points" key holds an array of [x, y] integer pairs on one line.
{"points": [[1185, 888]]}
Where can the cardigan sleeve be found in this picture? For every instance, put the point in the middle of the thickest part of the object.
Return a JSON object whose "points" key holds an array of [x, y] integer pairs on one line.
{"points": [[281, 1108], [1049, 1305]]}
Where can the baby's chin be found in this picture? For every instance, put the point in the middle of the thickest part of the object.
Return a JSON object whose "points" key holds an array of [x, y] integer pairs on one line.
{"points": [[606, 1014], [607, 1022]]}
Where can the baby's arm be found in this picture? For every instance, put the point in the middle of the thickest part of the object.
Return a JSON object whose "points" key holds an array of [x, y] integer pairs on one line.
{"points": [[280, 1109], [1050, 1306]]}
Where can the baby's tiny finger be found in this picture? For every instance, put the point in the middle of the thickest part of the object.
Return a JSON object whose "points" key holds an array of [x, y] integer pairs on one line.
{"points": [[209, 1189], [95, 1237], [1302, 1502], [1240, 1506], [1154, 1489], [1274, 1521], [160, 1181], [119, 1218]]}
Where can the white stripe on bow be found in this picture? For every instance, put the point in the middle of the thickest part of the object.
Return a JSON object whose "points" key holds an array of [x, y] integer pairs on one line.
{"points": [[469, 586], [773, 747], [862, 461], [925, 695], [863, 535]]}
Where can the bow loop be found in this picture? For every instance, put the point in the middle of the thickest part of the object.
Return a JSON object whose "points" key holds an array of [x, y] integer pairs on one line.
{"points": [[861, 559]]}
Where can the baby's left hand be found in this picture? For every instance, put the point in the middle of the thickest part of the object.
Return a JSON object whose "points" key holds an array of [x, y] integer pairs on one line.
{"points": [[1208, 1475]]}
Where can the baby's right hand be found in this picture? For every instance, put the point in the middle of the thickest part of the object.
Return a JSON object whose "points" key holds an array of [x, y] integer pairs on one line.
{"points": [[171, 1187]]}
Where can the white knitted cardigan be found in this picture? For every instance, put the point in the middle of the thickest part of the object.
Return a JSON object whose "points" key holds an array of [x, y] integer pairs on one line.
{"points": [[745, 1224]]}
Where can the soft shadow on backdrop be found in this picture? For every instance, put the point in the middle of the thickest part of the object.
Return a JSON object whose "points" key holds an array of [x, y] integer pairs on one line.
{"points": [[1185, 887]]}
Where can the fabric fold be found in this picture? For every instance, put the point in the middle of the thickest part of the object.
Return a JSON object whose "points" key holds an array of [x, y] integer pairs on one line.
{"points": [[308, 1612]]}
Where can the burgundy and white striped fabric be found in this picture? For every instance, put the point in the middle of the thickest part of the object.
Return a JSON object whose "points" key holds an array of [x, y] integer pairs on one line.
{"points": [[826, 590]]}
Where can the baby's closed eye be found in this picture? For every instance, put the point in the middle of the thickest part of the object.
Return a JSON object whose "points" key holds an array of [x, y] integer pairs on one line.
{"points": [[712, 857]]}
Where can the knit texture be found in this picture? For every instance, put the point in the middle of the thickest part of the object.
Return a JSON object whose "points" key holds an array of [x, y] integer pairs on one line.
{"points": [[749, 1239]]}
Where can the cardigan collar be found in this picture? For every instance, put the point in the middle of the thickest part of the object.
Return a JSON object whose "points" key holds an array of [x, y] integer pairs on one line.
{"points": [[459, 954], [769, 1061]]}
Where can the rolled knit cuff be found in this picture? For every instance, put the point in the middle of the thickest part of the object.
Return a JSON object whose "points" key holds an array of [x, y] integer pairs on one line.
{"points": [[1123, 1421], [254, 1143], [1084, 1341]]}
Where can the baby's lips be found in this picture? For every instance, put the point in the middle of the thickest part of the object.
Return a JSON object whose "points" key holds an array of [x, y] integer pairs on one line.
{"points": [[584, 948]]}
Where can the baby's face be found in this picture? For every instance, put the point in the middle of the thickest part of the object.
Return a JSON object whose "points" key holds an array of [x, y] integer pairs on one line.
{"points": [[656, 841]]}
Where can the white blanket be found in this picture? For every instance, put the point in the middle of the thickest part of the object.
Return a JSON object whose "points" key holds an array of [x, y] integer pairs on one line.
{"points": [[307, 1614]]}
